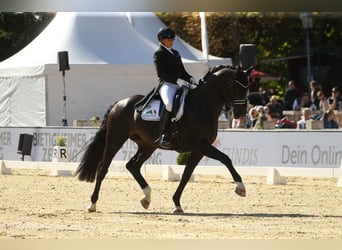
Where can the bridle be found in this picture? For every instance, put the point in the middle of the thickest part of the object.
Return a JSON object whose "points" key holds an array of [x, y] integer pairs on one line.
{"points": [[229, 105], [240, 101]]}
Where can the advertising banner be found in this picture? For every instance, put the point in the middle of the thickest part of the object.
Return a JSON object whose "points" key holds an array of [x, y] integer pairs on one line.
{"points": [[274, 148]]}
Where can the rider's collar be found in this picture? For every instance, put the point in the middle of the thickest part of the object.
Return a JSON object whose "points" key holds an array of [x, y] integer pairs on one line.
{"points": [[168, 49]]}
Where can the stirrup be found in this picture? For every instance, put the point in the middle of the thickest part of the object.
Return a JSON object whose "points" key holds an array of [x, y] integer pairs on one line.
{"points": [[164, 142]]}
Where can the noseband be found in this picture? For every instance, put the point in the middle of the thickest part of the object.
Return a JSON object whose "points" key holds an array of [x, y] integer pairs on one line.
{"points": [[240, 101], [230, 105]]}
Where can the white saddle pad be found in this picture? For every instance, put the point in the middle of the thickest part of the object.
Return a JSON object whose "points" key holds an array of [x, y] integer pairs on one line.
{"points": [[151, 112]]}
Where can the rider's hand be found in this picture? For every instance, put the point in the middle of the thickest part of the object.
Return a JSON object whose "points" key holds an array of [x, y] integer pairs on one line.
{"points": [[193, 80]]}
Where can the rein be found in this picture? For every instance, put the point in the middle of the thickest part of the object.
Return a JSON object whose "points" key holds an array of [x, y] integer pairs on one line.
{"points": [[229, 105], [240, 101]]}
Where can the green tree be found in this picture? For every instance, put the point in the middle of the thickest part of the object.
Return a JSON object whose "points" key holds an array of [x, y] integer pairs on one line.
{"points": [[19, 29], [275, 34]]}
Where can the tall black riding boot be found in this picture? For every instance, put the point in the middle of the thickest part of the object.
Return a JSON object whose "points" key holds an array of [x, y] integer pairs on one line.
{"points": [[163, 141]]}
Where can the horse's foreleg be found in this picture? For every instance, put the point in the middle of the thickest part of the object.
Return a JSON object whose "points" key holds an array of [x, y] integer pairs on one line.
{"points": [[146, 199], [212, 152], [134, 166], [193, 160]]}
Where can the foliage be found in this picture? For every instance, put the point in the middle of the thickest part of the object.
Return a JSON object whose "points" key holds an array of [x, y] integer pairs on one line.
{"points": [[60, 141], [183, 158], [19, 29], [276, 35]]}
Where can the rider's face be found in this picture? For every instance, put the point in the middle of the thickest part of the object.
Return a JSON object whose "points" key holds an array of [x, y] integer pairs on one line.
{"points": [[168, 42]]}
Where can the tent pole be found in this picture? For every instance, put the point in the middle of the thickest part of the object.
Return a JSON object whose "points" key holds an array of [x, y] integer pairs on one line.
{"points": [[204, 37]]}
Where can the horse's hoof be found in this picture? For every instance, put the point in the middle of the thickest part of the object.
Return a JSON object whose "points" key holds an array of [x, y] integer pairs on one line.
{"points": [[178, 210], [92, 208], [145, 203], [240, 191]]}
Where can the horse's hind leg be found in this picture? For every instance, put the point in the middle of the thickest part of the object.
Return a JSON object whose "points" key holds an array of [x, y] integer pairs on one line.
{"points": [[193, 160], [108, 155], [134, 166]]}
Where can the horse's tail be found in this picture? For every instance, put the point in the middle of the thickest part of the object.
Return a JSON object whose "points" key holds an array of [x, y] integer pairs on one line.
{"points": [[92, 157]]}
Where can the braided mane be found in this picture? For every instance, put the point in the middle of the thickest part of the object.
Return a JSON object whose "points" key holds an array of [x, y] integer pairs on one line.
{"points": [[213, 70]]}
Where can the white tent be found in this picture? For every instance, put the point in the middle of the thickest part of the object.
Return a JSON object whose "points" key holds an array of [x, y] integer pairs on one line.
{"points": [[110, 57]]}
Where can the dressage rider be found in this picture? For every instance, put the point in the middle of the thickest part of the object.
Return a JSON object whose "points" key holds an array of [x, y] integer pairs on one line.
{"points": [[170, 70]]}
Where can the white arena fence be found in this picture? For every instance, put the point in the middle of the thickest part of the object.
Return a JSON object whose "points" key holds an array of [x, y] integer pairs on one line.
{"points": [[271, 153], [274, 176]]}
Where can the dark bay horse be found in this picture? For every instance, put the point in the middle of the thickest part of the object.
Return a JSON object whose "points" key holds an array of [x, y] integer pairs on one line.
{"points": [[197, 130]]}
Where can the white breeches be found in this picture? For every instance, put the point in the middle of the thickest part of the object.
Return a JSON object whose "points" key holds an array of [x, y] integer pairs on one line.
{"points": [[167, 91]]}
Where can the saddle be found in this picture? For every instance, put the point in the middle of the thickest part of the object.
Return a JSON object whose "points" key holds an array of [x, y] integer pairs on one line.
{"points": [[141, 105], [151, 105], [149, 109]]}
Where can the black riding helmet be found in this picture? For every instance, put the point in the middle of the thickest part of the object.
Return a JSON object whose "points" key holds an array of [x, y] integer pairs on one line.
{"points": [[166, 33]]}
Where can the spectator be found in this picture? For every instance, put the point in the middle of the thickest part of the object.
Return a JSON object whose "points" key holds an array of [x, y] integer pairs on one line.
{"points": [[306, 113], [323, 104], [244, 122], [303, 102], [223, 116], [267, 114], [261, 118], [290, 95], [256, 98], [335, 100], [275, 108], [253, 116], [329, 120], [235, 122], [314, 88]]}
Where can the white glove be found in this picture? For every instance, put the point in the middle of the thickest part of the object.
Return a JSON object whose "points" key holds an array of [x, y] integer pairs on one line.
{"points": [[193, 80], [192, 84], [181, 82]]}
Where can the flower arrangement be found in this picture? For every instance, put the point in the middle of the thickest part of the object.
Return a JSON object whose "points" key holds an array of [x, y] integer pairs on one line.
{"points": [[183, 158], [60, 141]]}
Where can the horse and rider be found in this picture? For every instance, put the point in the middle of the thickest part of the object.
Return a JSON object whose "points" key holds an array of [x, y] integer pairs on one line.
{"points": [[196, 129]]}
